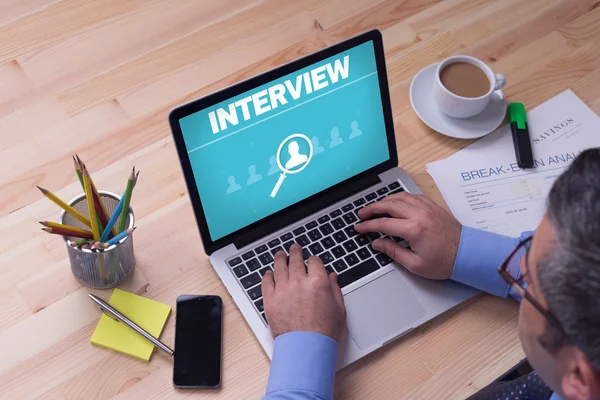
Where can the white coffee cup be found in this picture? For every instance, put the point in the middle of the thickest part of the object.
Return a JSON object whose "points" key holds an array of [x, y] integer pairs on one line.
{"points": [[464, 107]]}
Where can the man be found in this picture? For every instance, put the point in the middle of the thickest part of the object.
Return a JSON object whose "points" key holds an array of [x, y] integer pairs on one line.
{"points": [[557, 271]]}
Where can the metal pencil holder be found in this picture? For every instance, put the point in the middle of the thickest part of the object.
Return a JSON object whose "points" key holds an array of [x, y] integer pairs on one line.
{"points": [[100, 269]]}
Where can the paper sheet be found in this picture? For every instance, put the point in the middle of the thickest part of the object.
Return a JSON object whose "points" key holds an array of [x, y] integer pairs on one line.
{"points": [[148, 314], [484, 187]]}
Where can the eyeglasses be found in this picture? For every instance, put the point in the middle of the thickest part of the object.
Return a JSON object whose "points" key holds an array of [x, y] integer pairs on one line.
{"points": [[520, 286]]}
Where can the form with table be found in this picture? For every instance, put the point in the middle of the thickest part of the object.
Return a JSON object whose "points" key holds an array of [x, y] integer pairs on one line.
{"points": [[98, 78]]}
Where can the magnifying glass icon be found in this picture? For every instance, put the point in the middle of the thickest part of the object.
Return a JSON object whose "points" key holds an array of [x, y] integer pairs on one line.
{"points": [[297, 161]]}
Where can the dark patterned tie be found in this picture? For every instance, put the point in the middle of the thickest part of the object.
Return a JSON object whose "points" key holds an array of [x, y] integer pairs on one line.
{"points": [[527, 387]]}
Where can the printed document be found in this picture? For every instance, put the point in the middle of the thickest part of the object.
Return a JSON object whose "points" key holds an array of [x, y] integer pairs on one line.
{"points": [[484, 187]]}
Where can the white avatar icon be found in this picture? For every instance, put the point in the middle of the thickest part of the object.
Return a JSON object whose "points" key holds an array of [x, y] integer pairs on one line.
{"points": [[355, 131], [295, 157], [233, 186], [254, 177], [336, 140]]}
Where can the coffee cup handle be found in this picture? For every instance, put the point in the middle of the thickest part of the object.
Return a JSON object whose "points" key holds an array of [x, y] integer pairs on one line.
{"points": [[500, 81]]}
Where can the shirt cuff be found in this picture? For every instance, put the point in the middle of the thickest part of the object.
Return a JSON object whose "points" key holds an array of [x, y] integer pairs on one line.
{"points": [[480, 253], [303, 361]]}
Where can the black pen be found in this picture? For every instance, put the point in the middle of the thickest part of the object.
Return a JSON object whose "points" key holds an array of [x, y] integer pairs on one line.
{"points": [[520, 134]]}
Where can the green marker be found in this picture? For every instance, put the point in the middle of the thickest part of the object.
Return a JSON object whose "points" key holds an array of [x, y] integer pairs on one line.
{"points": [[520, 134]]}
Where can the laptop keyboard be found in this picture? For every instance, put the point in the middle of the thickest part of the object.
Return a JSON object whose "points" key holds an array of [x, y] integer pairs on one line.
{"points": [[331, 237]]}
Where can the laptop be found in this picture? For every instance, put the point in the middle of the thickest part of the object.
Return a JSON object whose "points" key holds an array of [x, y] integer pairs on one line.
{"points": [[291, 156]]}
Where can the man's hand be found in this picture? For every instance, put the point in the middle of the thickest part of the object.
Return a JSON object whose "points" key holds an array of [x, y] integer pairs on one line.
{"points": [[432, 232], [295, 301]]}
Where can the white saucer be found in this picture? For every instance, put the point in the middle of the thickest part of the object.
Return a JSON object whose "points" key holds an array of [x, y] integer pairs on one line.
{"points": [[421, 98]]}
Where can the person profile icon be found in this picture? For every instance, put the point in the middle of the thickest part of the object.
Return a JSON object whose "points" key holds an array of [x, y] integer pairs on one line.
{"points": [[317, 148], [254, 177], [274, 168], [335, 137], [355, 131], [233, 187], [296, 158]]}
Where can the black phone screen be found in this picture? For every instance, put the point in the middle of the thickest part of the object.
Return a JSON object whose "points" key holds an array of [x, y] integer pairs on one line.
{"points": [[198, 342]]}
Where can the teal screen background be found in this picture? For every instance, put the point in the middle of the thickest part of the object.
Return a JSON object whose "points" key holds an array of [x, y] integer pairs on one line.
{"points": [[350, 105]]}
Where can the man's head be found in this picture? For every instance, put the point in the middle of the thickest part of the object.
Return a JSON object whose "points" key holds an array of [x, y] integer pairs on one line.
{"points": [[563, 275]]}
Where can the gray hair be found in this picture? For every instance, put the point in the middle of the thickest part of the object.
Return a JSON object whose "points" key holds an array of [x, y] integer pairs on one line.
{"points": [[570, 274]]}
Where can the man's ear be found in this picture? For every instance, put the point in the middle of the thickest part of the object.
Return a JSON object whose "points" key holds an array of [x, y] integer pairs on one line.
{"points": [[581, 381]]}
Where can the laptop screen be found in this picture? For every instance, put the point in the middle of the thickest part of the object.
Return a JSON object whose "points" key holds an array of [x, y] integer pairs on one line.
{"points": [[273, 146]]}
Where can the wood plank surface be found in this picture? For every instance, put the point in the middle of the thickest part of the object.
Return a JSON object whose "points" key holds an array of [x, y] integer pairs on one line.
{"points": [[98, 78]]}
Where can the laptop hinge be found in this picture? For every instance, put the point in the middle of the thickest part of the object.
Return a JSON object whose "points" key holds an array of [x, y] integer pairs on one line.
{"points": [[297, 212]]}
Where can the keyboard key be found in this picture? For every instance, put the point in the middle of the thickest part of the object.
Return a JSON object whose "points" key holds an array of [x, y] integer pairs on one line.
{"points": [[382, 191], [383, 259], [235, 261], [338, 252], [248, 255], [287, 245], [350, 246], [328, 269], [263, 271], [328, 242], [363, 253], [311, 225], [339, 236], [339, 266], [261, 249], [370, 247], [356, 210], [397, 191], [286, 237], [350, 231], [265, 258], [338, 223], [335, 213], [302, 240], [394, 185], [255, 292], [314, 235], [362, 240], [315, 248], [351, 259], [305, 253], [326, 228], [259, 305], [359, 202], [276, 249], [323, 219], [371, 196], [350, 218], [299, 231], [253, 264], [250, 280], [274, 243], [265, 318], [397, 239], [326, 257], [374, 235], [347, 207], [240, 271], [360, 271]]}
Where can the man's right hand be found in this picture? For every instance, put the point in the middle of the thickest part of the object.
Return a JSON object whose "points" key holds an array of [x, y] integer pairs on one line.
{"points": [[432, 232]]}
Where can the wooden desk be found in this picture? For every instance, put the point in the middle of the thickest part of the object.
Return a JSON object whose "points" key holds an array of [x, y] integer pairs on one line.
{"points": [[98, 77]]}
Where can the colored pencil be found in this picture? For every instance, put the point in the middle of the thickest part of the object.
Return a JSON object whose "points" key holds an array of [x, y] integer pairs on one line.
{"points": [[78, 171], [51, 196], [67, 232], [90, 202], [116, 213], [125, 207], [120, 236], [50, 224], [79, 242], [98, 205]]}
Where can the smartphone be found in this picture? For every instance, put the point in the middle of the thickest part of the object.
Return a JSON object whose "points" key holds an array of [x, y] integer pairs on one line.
{"points": [[198, 342]]}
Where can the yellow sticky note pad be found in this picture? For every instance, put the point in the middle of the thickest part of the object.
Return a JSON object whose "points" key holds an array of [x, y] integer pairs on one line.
{"points": [[149, 314]]}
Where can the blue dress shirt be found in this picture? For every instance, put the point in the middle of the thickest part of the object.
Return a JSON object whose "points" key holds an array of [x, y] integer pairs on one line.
{"points": [[303, 366]]}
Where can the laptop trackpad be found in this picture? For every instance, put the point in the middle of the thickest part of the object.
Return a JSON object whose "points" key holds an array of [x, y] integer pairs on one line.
{"points": [[380, 309]]}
